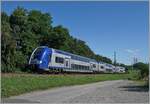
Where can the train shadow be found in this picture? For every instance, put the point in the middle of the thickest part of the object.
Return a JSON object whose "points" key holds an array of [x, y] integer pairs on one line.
{"points": [[135, 88]]}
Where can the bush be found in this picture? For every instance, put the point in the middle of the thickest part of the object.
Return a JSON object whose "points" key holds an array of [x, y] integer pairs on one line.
{"points": [[143, 68], [134, 74]]}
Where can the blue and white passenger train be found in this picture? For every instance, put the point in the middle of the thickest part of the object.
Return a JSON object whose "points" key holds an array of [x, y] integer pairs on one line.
{"points": [[49, 59]]}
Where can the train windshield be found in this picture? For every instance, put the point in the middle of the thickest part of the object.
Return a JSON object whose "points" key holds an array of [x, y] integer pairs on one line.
{"points": [[38, 53]]}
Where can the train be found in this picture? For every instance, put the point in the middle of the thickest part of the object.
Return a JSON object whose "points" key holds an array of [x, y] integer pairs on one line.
{"points": [[48, 59]]}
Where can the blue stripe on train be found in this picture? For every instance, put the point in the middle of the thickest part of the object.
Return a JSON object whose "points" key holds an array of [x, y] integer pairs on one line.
{"points": [[58, 67]]}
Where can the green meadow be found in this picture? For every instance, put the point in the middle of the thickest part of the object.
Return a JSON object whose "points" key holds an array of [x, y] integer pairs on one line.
{"points": [[15, 84]]}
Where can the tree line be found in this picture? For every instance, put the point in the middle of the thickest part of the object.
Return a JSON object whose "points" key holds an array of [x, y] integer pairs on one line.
{"points": [[22, 31]]}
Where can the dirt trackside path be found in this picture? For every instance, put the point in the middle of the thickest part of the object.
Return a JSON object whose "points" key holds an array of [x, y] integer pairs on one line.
{"points": [[119, 91]]}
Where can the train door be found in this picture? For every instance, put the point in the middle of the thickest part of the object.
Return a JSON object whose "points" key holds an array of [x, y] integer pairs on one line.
{"points": [[91, 66], [67, 62]]}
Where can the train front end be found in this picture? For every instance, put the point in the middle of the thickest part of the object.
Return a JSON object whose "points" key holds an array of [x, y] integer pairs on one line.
{"points": [[40, 58]]}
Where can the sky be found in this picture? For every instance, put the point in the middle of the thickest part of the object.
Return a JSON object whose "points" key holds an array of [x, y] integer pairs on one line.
{"points": [[104, 26]]}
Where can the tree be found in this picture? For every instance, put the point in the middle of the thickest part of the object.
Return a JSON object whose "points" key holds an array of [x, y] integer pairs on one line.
{"points": [[8, 45], [57, 37], [40, 24], [98, 57], [123, 65], [26, 41], [18, 21], [79, 47], [144, 69]]}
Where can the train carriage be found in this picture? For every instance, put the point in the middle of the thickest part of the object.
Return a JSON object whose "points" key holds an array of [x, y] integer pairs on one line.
{"points": [[109, 68], [48, 59]]}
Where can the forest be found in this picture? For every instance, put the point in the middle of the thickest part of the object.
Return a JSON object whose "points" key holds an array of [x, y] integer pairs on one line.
{"points": [[22, 31]]}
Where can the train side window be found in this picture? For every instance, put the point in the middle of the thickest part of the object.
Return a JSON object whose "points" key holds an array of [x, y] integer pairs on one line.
{"points": [[59, 60], [72, 66], [75, 66], [79, 67], [94, 66], [88, 67], [66, 63], [102, 67], [83, 67]]}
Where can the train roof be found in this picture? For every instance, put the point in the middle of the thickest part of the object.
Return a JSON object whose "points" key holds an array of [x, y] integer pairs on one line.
{"points": [[100, 62], [109, 65], [74, 56]]}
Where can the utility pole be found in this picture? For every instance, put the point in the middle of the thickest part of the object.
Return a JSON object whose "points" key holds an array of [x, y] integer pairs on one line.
{"points": [[115, 59], [134, 62]]}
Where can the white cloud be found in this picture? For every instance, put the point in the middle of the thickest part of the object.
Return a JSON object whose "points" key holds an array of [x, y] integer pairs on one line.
{"points": [[129, 50], [132, 51]]}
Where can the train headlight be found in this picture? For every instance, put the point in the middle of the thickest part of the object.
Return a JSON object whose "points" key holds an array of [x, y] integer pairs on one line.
{"points": [[40, 62], [37, 61]]}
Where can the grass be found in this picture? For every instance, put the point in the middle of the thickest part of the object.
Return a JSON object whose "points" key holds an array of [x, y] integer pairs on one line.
{"points": [[15, 84]]}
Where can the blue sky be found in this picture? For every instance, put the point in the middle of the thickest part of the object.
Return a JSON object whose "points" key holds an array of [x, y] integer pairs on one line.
{"points": [[105, 26]]}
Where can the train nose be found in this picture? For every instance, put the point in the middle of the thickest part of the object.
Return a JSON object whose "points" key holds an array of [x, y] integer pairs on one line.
{"points": [[36, 61]]}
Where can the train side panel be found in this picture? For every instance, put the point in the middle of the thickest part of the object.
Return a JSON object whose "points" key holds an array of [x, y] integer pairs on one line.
{"points": [[59, 61]]}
